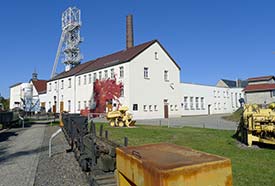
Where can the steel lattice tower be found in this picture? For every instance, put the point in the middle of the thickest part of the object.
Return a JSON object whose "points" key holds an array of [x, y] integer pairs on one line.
{"points": [[70, 39]]}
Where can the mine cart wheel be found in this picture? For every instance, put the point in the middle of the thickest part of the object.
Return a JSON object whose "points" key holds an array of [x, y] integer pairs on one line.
{"points": [[121, 124], [112, 123]]}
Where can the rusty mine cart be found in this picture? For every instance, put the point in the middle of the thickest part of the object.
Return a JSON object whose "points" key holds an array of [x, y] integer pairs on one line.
{"points": [[120, 118]]}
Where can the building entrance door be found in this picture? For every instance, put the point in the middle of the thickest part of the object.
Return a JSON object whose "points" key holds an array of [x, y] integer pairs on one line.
{"points": [[209, 109], [166, 111], [61, 106]]}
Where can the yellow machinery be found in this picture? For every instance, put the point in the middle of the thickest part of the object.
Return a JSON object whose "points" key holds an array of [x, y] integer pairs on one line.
{"points": [[258, 124], [166, 164], [120, 118]]}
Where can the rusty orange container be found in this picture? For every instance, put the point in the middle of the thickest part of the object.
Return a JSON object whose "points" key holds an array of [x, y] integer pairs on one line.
{"points": [[171, 165]]}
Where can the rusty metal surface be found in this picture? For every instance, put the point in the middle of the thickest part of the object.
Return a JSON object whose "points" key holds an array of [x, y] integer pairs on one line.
{"points": [[171, 165], [168, 156]]}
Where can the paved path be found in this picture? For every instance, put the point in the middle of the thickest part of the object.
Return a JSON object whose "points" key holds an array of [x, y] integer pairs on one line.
{"points": [[19, 155], [211, 121]]}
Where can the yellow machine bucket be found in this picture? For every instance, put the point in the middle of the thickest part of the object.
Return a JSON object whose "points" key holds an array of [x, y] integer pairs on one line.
{"points": [[120, 118]]}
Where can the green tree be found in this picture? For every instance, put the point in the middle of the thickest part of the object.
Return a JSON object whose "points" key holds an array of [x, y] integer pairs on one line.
{"points": [[5, 102]]}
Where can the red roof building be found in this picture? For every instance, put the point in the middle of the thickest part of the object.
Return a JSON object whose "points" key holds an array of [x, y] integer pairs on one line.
{"points": [[40, 86], [260, 90]]}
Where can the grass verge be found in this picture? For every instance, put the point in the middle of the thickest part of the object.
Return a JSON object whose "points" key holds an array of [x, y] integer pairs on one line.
{"points": [[253, 167], [235, 116]]}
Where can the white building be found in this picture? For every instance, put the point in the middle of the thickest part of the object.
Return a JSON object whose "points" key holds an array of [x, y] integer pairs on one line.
{"points": [[204, 100], [29, 96], [152, 87]]}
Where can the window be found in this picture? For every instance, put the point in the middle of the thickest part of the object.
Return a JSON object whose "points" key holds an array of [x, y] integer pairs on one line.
{"points": [[273, 93], [176, 107], [224, 95], [112, 73], [156, 56], [105, 74], [69, 105], [218, 94], [191, 103], [94, 77], [202, 103], [155, 107], [121, 72], [79, 80], [122, 91], [50, 105], [85, 104], [50, 87], [185, 102], [90, 78], [224, 106], [55, 85], [214, 92], [99, 75], [171, 107], [146, 73], [85, 79], [62, 84], [89, 103], [78, 106], [219, 106], [227, 94], [166, 75], [135, 107], [144, 107], [150, 107], [70, 83], [197, 103]]}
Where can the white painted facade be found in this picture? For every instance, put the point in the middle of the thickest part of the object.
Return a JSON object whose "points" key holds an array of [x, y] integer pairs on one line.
{"points": [[15, 95], [27, 92], [202, 99], [150, 94], [151, 80]]}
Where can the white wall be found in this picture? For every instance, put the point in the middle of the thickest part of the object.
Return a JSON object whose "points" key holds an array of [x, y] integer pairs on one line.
{"points": [[217, 100], [15, 95], [57, 93], [151, 92], [84, 91]]}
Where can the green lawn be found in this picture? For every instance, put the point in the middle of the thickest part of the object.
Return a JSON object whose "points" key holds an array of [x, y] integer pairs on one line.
{"points": [[250, 167]]}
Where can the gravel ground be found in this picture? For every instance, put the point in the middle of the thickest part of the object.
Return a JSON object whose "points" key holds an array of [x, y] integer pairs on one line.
{"points": [[61, 168]]}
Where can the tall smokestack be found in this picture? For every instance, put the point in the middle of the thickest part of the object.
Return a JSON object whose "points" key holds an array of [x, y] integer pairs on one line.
{"points": [[129, 32]]}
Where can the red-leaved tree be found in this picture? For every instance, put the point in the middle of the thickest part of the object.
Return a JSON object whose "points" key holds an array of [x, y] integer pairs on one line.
{"points": [[105, 90]]}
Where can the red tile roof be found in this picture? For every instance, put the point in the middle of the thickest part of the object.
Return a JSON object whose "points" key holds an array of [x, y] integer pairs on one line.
{"points": [[262, 78], [259, 87], [40, 86], [110, 60]]}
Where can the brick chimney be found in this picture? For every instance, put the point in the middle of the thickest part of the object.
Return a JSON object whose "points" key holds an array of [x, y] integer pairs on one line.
{"points": [[129, 31]]}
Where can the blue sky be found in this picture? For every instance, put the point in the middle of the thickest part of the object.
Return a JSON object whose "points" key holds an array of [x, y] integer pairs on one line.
{"points": [[210, 39]]}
